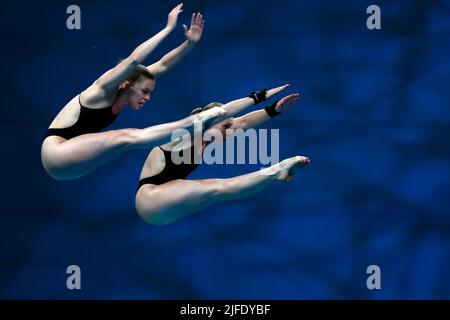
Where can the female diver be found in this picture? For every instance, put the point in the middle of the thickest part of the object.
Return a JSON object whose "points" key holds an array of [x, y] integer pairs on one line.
{"points": [[164, 195], [74, 146]]}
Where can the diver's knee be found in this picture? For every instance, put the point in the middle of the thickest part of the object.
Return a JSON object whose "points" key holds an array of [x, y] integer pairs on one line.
{"points": [[57, 169], [153, 218], [150, 215], [59, 174]]}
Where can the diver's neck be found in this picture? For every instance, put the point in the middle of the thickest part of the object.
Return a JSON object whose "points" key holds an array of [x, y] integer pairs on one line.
{"points": [[119, 104]]}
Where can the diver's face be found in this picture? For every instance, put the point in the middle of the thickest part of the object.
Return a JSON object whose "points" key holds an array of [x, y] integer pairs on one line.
{"points": [[223, 126], [140, 91]]}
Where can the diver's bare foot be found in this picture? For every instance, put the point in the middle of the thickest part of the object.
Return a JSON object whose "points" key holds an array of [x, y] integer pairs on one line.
{"points": [[285, 170]]}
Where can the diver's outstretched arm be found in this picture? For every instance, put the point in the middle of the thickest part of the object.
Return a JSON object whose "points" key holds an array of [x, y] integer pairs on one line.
{"points": [[255, 118], [236, 106], [171, 59], [110, 80]]}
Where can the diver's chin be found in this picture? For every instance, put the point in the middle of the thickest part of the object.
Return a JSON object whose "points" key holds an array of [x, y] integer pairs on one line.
{"points": [[140, 105]]}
